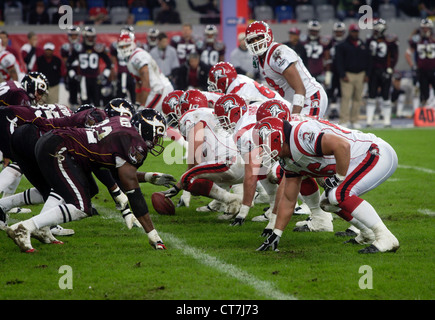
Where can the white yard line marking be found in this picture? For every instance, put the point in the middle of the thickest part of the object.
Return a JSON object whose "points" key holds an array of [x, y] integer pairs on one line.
{"points": [[425, 170], [427, 212], [263, 287]]}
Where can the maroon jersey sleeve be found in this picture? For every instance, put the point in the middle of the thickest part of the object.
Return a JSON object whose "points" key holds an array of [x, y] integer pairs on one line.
{"points": [[11, 94]]}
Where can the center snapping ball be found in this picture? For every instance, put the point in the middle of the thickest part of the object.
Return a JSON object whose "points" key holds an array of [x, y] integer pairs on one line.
{"points": [[162, 204]]}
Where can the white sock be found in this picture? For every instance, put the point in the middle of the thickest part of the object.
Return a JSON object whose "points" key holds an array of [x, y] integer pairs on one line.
{"points": [[366, 214], [58, 215], [30, 196], [53, 200], [370, 110], [10, 178], [386, 112]]}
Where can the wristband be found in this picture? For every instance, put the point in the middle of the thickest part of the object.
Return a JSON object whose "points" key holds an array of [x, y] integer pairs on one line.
{"points": [[153, 236], [148, 176], [298, 100], [244, 210], [340, 177]]}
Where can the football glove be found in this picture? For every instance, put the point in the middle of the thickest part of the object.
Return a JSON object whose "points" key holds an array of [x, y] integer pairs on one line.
{"points": [[160, 179], [241, 216], [120, 199], [332, 182], [130, 219], [184, 199], [155, 240], [271, 242], [171, 192]]}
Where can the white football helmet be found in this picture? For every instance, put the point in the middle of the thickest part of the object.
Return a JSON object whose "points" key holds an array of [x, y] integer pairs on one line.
{"points": [[126, 44]]}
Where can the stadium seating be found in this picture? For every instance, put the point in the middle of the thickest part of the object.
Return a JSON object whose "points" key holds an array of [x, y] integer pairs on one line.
{"points": [[80, 15], [284, 13], [325, 12], [13, 16], [95, 4], [387, 11], [305, 13], [119, 15], [141, 13], [264, 13]]}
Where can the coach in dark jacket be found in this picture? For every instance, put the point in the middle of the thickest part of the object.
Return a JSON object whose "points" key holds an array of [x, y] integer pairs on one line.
{"points": [[191, 75], [352, 59]]}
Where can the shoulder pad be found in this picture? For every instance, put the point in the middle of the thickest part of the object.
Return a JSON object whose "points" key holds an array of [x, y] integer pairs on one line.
{"points": [[415, 38], [219, 46], [325, 41], [176, 38], [77, 47], [200, 44], [391, 38], [66, 46], [99, 47]]}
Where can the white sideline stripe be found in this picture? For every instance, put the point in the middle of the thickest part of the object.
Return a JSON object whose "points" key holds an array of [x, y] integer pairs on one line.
{"points": [[427, 212], [425, 170], [263, 287]]}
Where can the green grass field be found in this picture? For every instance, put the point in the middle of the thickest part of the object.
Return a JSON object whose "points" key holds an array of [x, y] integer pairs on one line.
{"points": [[209, 260]]}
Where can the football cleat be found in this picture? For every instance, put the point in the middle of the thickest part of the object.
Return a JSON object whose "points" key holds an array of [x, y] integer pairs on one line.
{"points": [[21, 236], [59, 231], [346, 233], [44, 235], [19, 210]]}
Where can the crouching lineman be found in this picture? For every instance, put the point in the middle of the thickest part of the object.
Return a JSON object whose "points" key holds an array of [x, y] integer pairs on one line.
{"points": [[66, 155], [212, 165], [352, 162]]}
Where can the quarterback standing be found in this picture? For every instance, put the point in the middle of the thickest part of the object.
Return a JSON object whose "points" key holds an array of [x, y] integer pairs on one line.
{"points": [[285, 72]]}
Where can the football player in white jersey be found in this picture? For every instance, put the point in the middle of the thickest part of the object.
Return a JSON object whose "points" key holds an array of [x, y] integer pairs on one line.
{"points": [[352, 163], [285, 72], [212, 159], [151, 84], [238, 118], [223, 78], [9, 66]]}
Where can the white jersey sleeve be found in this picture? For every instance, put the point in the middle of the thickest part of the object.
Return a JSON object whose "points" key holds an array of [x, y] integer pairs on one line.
{"points": [[251, 90]]}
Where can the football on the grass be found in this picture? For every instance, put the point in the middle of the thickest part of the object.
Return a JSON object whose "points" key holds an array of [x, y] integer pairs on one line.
{"points": [[162, 204]]}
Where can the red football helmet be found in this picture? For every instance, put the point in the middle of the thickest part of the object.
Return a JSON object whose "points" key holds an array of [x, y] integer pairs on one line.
{"points": [[259, 37], [269, 135], [220, 76], [273, 108], [191, 99], [169, 107], [229, 109]]}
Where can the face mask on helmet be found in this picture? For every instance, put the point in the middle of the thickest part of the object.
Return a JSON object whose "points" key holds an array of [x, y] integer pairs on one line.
{"points": [[229, 109], [126, 44], [151, 125], [220, 77], [73, 34], [259, 37], [268, 134], [36, 86], [170, 105]]}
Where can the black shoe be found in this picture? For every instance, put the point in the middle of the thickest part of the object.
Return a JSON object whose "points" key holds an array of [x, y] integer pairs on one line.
{"points": [[303, 228], [370, 249], [352, 241], [346, 233]]}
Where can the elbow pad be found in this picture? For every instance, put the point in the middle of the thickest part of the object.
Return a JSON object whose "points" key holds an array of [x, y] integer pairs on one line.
{"points": [[137, 202]]}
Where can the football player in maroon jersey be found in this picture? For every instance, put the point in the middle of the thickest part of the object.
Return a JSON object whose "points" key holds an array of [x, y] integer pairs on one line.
{"points": [[384, 49], [66, 157]]}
